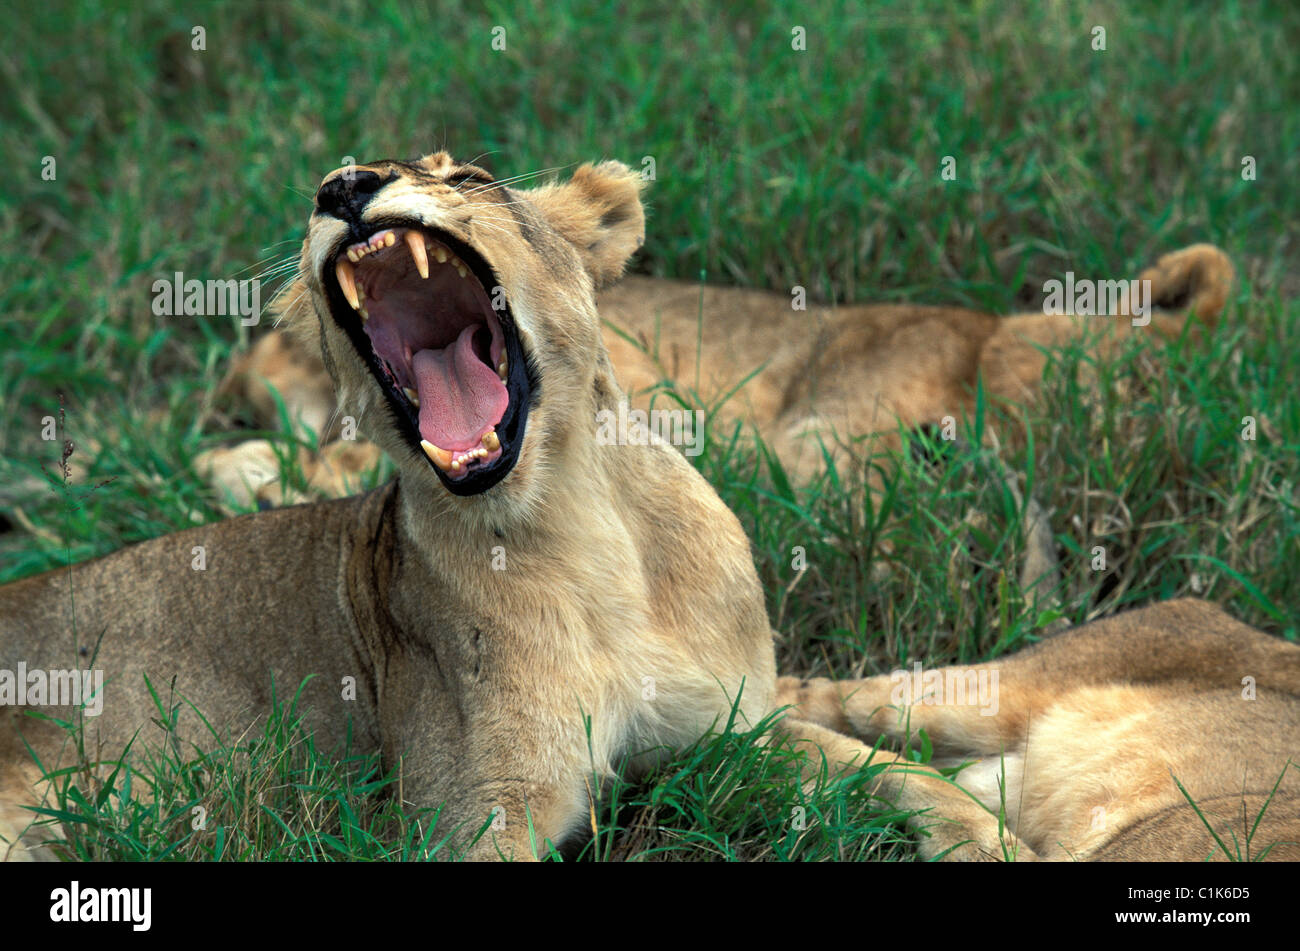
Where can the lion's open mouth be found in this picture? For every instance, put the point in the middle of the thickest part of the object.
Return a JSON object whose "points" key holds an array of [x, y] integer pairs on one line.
{"points": [[426, 312]]}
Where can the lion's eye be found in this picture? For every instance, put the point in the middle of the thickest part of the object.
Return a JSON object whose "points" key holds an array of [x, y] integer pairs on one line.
{"points": [[456, 178]]}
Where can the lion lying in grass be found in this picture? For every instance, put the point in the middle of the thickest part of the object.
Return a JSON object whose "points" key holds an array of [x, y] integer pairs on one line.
{"points": [[813, 383], [490, 619]]}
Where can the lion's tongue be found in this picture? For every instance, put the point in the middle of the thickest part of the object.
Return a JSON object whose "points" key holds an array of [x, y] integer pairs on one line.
{"points": [[461, 397]]}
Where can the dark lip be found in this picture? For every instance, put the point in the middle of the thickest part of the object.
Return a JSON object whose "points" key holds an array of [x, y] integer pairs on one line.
{"points": [[521, 379]]}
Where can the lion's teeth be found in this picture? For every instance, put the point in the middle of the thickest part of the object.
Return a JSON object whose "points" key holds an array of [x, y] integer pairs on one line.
{"points": [[411, 395], [440, 253], [439, 457], [415, 241], [345, 274], [365, 315], [503, 366], [490, 442], [460, 269]]}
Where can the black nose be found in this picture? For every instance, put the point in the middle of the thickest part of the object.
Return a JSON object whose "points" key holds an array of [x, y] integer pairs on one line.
{"points": [[345, 195]]}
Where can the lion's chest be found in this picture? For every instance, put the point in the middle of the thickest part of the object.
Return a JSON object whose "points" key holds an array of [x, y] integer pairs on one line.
{"points": [[565, 656]]}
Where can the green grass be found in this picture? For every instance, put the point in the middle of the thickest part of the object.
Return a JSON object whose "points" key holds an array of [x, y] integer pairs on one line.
{"points": [[274, 797], [773, 168]]}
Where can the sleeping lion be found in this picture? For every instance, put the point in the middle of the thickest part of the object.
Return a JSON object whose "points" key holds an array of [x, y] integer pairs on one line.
{"points": [[825, 383], [501, 604]]}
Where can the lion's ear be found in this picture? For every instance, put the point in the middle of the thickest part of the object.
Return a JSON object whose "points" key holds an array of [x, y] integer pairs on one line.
{"points": [[599, 212]]}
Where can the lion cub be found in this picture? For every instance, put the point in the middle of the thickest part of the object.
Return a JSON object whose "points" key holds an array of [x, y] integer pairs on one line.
{"points": [[491, 618]]}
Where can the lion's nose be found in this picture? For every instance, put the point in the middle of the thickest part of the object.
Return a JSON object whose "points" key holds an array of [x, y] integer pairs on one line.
{"points": [[346, 194]]}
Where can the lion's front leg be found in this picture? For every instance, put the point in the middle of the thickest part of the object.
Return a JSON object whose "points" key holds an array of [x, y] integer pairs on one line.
{"points": [[525, 820], [503, 787], [499, 817]]}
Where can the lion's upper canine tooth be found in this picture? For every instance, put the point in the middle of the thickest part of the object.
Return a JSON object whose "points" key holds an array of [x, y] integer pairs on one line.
{"points": [[344, 272], [439, 457], [415, 241], [490, 441], [412, 396]]}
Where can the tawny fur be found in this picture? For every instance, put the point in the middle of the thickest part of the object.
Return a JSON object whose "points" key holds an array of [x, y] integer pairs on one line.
{"points": [[1091, 730], [825, 378]]}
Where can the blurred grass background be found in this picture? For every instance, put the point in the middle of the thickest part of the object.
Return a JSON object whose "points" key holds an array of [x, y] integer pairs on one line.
{"points": [[774, 167]]}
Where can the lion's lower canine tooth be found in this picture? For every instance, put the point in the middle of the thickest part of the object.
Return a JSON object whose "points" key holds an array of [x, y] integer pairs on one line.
{"points": [[490, 441], [411, 395], [415, 241], [343, 271], [439, 457]]}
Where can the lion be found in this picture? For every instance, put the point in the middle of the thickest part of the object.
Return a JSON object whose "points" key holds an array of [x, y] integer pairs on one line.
{"points": [[500, 605], [1164, 733], [839, 384], [516, 583]]}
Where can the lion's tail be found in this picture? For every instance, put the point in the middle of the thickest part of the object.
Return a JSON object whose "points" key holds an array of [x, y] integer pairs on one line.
{"points": [[1195, 280]]}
